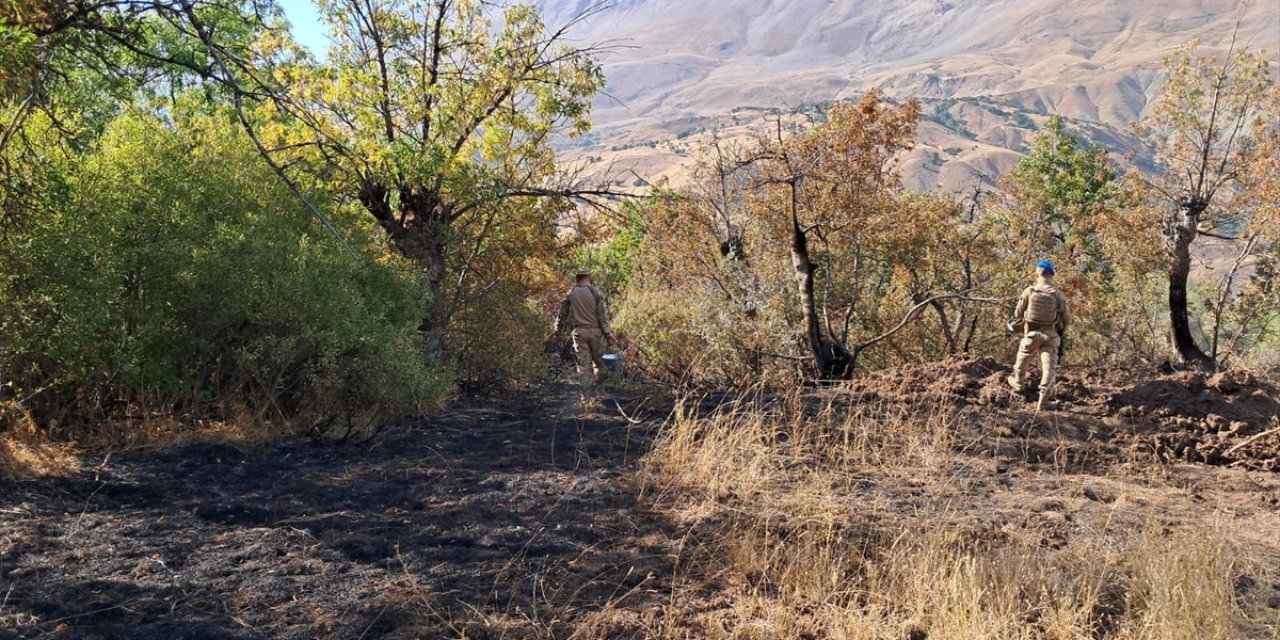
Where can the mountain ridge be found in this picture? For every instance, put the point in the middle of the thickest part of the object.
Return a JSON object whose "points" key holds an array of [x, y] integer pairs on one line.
{"points": [[988, 71]]}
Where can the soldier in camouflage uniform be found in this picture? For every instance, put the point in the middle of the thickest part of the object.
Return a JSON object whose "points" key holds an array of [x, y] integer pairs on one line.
{"points": [[1042, 316], [584, 314]]}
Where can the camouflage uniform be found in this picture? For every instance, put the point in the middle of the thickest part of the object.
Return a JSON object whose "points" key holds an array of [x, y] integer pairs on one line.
{"points": [[583, 312], [1039, 338]]}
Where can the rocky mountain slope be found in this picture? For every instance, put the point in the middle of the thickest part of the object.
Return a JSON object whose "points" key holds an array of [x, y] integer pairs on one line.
{"points": [[988, 71]]}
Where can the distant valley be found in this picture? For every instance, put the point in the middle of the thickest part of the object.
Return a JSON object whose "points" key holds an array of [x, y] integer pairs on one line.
{"points": [[988, 73]]}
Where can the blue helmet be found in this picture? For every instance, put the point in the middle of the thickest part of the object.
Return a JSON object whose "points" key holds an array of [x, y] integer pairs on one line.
{"points": [[1047, 266]]}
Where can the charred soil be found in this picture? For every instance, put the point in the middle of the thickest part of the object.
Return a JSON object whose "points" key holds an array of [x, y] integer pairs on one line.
{"points": [[527, 516], [505, 517]]}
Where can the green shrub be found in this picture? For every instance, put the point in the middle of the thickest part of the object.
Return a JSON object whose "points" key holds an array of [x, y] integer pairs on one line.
{"points": [[180, 275]]}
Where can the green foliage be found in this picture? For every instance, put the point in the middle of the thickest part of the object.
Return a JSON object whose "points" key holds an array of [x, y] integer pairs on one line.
{"points": [[1250, 324], [1062, 187], [1023, 120], [942, 115], [615, 259], [180, 274]]}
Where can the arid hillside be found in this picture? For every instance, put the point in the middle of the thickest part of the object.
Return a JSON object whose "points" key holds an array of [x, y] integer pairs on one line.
{"points": [[988, 71]]}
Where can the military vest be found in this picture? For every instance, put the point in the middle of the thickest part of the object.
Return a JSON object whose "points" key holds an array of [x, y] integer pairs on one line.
{"points": [[1042, 306]]}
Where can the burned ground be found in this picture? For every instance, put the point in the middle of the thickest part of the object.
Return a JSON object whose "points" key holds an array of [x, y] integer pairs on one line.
{"points": [[525, 516], [500, 516]]}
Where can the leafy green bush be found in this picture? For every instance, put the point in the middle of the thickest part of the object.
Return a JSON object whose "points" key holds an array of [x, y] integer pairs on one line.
{"points": [[178, 274], [613, 262]]}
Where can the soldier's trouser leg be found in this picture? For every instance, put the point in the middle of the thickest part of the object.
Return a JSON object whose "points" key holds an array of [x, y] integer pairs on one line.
{"points": [[1031, 345], [1048, 365], [588, 345]]}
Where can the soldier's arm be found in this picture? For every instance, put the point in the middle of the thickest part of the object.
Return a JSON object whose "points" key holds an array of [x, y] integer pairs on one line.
{"points": [[602, 314], [1021, 310], [1066, 310]]}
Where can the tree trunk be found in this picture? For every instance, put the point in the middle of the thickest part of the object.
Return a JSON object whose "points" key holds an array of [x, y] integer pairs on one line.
{"points": [[1182, 235], [420, 233], [950, 330], [831, 359], [426, 244]]}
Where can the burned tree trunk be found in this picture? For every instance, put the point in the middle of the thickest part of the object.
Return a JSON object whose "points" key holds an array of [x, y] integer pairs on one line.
{"points": [[1182, 233], [831, 359]]}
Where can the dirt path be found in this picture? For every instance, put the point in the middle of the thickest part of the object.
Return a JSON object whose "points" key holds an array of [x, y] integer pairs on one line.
{"points": [[506, 517]]}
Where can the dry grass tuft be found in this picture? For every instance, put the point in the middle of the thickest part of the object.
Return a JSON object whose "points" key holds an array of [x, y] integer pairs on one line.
{"points": [[829, 521], [25, 453], [29, 450], [141, 427]]}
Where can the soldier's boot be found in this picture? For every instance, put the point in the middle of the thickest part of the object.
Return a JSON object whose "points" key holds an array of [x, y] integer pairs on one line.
{"points": [[1045, 403]]}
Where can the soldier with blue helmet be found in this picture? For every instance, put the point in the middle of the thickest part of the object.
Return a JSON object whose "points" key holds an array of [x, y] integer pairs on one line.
{"points": [[1042, 316]]}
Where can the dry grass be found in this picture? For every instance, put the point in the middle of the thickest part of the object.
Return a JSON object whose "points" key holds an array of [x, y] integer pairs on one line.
{"points": [[29, 450], [823, 521], [25, 453], [231, 423]]}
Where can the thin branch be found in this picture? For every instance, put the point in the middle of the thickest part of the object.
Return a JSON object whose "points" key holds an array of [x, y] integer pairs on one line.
{"points": [[1212, 234], [915, 311]]}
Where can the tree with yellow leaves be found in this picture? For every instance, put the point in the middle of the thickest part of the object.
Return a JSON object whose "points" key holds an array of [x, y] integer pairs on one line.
{"points": [[437, 118], [1210, 132]]}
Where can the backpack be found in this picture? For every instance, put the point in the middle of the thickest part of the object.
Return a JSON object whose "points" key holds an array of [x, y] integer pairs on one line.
{"points": [[1042, 307]]}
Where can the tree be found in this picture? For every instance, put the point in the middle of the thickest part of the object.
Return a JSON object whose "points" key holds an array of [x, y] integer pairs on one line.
{"points": [[437, 117], [80, 62], [1059, 191], [847, 163], [832, 205], [1204, 131]]}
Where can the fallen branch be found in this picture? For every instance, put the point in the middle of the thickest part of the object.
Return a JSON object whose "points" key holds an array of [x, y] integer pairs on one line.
{"points": [[1250, 440]]}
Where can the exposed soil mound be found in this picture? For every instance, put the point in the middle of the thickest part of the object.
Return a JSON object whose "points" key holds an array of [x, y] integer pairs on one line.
{"points": [[1230, 418], [957, 379]]}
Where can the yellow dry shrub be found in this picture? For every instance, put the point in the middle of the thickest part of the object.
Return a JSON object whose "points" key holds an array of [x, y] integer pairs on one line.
{"points": [[24, 451]]}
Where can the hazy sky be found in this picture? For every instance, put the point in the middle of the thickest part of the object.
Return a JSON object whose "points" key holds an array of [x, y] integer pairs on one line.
{"points": [[306, 27]]}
